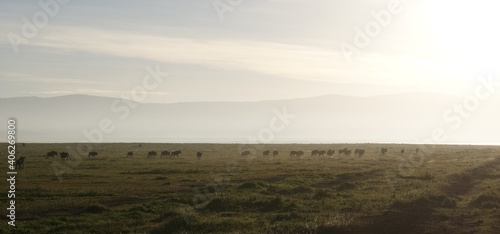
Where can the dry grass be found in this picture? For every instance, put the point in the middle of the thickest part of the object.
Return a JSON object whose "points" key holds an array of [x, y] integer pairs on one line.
{"points": [[444, 189]]}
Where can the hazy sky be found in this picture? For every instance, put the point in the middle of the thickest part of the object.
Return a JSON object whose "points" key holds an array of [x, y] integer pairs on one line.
{"points": [[253, 50]]}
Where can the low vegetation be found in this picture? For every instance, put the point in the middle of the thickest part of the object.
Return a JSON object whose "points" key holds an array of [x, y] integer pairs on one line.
{"points": [[443, 189]]}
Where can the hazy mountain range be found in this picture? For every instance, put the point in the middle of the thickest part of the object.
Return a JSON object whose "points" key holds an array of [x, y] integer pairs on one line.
{"points": [[327, 119]]}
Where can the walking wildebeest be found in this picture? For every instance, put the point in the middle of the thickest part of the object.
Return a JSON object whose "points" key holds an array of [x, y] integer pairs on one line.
{"points": [[314, 153], [20, 163], [402, 151], [321, 153], [176, 153], [65, 155], [152, 154], [265, 153], [199, 154], [165, 153], [275, 153], [360, 152], [130, 154], [51, 154], [92, 154], [245, 153], [330, 152], [383, 151]]}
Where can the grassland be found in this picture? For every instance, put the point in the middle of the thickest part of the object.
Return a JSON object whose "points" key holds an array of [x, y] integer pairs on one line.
{"points": [[443, 189]]}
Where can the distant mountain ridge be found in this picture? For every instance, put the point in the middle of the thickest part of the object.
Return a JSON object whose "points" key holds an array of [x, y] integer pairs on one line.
{"points": [[330, 118]]}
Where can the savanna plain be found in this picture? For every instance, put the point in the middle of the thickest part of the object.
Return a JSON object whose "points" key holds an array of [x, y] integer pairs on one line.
{"points": [[439, 189]]}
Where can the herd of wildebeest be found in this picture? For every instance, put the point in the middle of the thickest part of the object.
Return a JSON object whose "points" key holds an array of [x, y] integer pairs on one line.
{"points": [[199, 154], [246, 153]]}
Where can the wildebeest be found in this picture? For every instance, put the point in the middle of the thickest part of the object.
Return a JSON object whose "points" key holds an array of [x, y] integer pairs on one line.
{"points": [[275, 153], [321, 153], [165, 153], [297, 153], [92, 154], [199, 154], [20, 163], [152, 154], [176, 153], [266, 153], [65, 155], [383, 151], [359, 152], [245, 153], [330, 152], [347, 152], [314, 153], [402, 151], [130, 154], [51, 154]]}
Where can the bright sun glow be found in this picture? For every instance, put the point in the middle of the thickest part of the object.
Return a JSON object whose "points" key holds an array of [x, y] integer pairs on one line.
{"points": [[465, 32]]}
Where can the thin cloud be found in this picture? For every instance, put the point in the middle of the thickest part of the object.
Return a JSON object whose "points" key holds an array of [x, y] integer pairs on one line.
{"points": [[28, 78]]}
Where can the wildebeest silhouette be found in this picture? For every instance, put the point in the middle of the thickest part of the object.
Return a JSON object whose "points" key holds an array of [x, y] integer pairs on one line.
{"points": [[383, 151], [402, 151], [176, 153], [359, 152], [65, 155], [152, 154], [330, 152], [165, 153], [275, 153], [51, 154], [92, 154], [199, 154], [266, 153], [245, 153], [130, 154], [20, 163]]}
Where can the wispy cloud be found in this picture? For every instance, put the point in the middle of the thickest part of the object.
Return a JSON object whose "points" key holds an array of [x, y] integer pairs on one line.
{"points": [[291, 61], [28, 78], [113, 93]]}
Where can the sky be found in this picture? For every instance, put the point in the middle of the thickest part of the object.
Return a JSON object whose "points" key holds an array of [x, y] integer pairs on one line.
{"points": [[242, 50]]}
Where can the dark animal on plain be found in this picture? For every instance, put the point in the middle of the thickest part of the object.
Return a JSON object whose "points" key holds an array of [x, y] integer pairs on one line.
{"points": [[51, 154], [383, 151], [347, 152], [360, 152], [245, 153], [275, 153], [314, 153], [266, 153], [402, 151], [165, 153], [176, 153], [92, 154], [330, 152], [293, 153], [65, 155], [152, 154], [321, 153], [20, 163], [130, 154], [199, 154], [416, 151], [300, 153]]}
